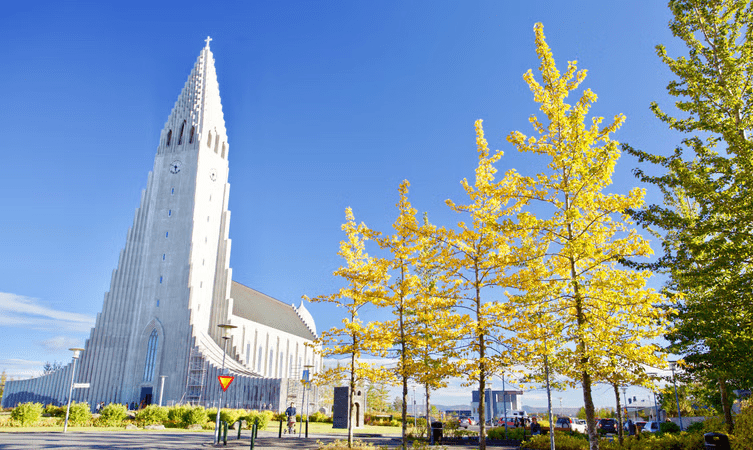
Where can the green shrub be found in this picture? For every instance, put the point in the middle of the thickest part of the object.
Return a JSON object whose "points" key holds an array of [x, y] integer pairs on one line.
{"points": [[27, 413], [562, 441], [744, 427], [648, 441], [695, 427], [177, 414], [231, 415], [54, 411], [319, 417], [112, 415], [669, 427], [152, 415], [80, 414], [195, 415], [517, 433], [264, 418]]}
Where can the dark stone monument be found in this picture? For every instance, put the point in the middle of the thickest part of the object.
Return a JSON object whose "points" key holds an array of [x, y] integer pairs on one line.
{"points": [[340, 408]]}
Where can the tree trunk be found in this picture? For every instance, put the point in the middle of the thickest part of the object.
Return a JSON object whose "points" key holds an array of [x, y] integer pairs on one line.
{"points": [[482, 368], [726, 406], [404, 414], [620, 419], [351, 389], [428, 409]]}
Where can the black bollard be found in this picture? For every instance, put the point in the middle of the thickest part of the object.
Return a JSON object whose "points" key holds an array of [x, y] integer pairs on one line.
{"points": [[279, 435], [240, 427], [253, 435], [307, 427], [256, 426], [224, 435]]}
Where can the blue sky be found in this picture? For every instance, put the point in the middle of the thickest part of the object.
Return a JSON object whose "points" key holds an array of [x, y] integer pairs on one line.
{"points": [[327, 104]]}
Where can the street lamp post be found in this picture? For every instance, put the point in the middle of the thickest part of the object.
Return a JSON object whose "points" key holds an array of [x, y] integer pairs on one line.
{"points": [[672, 367], [504, 401], [76, 352], [305, 404], [415, 421], [225, 327], [624, 401]]}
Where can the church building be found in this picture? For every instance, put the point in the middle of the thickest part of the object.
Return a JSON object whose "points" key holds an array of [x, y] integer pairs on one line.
{"points": [[157, 338]]}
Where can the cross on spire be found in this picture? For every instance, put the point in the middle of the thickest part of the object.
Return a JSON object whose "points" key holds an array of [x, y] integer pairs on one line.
{"points": [[207, 40]]}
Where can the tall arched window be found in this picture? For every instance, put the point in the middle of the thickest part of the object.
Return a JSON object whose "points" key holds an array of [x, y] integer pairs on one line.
{"points": [[261, 351], [180, 136], [282, 365], [151, 353], [271, 364], [190, 137], [169, 137]]}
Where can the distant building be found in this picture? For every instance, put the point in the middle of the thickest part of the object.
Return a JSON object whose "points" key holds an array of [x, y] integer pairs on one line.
{"points": [[496, 403]]}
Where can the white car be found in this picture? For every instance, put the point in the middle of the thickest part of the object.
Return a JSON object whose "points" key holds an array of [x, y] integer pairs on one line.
{"points": [[651, 427], [579, 425]]}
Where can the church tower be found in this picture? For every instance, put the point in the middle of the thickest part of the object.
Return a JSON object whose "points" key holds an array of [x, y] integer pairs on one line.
{"points": [[173, 274], [156, 338]]}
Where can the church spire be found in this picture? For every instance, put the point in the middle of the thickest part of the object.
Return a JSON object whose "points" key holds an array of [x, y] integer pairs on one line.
{"points": [[196, 117]]}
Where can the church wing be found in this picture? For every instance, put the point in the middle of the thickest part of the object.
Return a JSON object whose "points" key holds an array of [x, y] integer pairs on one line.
{"points": [[257, 307]]}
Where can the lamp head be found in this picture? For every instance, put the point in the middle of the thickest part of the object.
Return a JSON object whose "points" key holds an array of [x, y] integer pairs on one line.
{"points": [[76, 352], [672, 365], [225, 327]]}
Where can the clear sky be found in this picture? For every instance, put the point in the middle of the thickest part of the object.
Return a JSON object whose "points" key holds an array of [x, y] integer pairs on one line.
{"points": [[327, 105]]}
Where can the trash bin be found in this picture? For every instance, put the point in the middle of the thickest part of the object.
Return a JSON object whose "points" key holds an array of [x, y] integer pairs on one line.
{"points": [[716, 441], [436, 431]]}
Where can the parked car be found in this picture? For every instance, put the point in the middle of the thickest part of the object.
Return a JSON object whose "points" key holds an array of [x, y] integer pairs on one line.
{"points": [[607, 425], [580, 425], [640, 424], [570, 424], [465, 422], [651, 427]]}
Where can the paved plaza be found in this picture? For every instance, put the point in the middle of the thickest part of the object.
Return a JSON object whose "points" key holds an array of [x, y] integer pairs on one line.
{"points": [[173, 440]]}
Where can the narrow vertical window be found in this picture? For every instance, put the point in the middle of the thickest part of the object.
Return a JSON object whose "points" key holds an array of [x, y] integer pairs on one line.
{"points": [[209, 139], [160, 279], [151, 353], [169, 138], [216, 143], [180, 136], [163, 257], [166, 232], [224, 149], [157, 303], [271, 365], [258, 367], [172, 191], [169, 212], [190, 137]]}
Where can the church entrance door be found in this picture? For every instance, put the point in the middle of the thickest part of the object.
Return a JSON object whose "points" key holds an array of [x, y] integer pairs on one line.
{"points": [[146, 396]]}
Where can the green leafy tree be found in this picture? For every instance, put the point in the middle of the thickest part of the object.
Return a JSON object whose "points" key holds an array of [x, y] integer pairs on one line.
{"points": [[707, 186], [3, 377], [377, 396]]}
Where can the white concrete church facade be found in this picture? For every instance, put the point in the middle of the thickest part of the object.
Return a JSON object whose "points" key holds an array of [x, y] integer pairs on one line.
{"points": [[157, 337]]}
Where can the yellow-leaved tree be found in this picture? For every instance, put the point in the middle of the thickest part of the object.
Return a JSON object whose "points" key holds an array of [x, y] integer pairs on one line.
{"points": [[575, 281], [478, 258], [420, 330], [364, 279]]}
